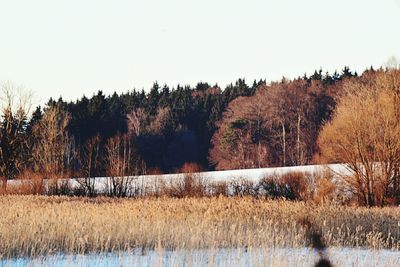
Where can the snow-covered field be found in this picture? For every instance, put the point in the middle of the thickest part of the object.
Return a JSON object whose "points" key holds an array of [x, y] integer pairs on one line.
{"points": [[256, 174], [223, 257], [148, 182]]}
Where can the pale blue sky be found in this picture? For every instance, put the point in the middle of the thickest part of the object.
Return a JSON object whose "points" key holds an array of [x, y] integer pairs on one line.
{"points": [[77, 47]]}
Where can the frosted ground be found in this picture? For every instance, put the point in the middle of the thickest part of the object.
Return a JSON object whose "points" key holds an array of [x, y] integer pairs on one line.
{"points": [[223, 257], [148, 182]]}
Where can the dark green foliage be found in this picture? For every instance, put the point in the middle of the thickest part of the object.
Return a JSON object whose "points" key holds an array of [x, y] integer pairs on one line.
{"points": [[167, 145], [13, 142]]}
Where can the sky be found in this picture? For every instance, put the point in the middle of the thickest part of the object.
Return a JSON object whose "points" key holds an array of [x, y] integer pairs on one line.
{"points": [[72, 48]]}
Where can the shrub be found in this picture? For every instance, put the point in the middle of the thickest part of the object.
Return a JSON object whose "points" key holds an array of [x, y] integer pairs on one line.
{"points": [[58, 187], [291, 186], [296, 186], [27, 183], [243, 187], [120, 186], [218, 189], [32, 182], [190, 167], [326, 189], [191, 184], [271, 187]]}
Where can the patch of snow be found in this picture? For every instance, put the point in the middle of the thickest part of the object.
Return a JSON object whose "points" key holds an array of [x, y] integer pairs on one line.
{"points": [[221, 257], [149, 182]]}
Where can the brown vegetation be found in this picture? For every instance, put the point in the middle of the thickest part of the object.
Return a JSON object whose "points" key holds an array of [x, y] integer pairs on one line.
{"points": [[89, 158], [365, 134], [190, 184], [53, 148], [326, 190], [29, 183], [277, 126], [35, 225], [296, 186]]}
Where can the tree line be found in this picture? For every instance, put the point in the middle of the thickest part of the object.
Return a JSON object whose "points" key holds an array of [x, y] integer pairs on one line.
{"points": [[279, 124], [354, 120], [160, 130], [241, 126], [157, 131], [341, 117]]}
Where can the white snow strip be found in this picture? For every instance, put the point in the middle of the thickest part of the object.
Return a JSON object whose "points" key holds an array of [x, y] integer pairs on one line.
{"points": [[150, 182]]}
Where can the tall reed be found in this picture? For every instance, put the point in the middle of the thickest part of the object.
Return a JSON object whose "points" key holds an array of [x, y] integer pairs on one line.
{"points": [[40, 225]]}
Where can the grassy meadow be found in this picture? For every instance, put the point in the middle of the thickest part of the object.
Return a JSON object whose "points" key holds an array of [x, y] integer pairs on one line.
{"points": [[34, 226]]}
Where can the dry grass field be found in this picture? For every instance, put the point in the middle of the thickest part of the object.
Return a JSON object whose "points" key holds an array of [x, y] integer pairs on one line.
{"points": [[39, 225]]}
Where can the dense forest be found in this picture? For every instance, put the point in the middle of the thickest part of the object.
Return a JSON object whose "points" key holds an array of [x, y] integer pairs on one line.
{"points": [[159, 130]]}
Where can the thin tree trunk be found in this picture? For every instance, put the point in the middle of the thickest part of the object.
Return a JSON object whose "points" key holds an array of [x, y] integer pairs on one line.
{"points": [[284, 143], [298, 139]]}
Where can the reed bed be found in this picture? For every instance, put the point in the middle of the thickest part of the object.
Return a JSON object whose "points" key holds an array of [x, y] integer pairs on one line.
{"points": [[34, 226]]}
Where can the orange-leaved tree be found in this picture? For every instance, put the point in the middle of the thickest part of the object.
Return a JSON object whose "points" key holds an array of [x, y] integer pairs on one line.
{"points": [[364, 133]]}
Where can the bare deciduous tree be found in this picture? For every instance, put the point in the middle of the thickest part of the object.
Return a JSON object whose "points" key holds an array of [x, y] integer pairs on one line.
{"points": [[53, 150], [290, 110], [365, 135], [89, 160], [161, 120], [276, 126], [122, 164], [136, 120], [241, 140]]}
